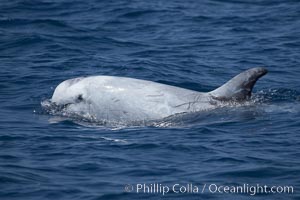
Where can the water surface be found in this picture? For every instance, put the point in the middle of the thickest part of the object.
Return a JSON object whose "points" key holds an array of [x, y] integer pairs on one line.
{"points": [[190, 44]]}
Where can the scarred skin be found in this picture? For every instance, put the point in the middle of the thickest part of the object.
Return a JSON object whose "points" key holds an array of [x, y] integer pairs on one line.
{"points": [[123, 99]]}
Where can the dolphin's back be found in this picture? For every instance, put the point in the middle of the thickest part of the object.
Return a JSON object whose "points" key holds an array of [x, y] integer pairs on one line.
{"points": [[133, 99]]}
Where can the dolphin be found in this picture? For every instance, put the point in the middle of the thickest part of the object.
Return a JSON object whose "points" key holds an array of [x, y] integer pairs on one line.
{"points": [[122, 99]]}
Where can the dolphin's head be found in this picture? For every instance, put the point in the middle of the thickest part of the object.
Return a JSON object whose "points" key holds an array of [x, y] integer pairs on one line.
{"points": [[69, 92]]}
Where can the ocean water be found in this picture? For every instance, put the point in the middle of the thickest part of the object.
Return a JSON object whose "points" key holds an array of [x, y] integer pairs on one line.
{"points": [[192, 44]]}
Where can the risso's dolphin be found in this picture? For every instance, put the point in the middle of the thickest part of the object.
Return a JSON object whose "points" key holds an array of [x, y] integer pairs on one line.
{"points": [[121, 99]]}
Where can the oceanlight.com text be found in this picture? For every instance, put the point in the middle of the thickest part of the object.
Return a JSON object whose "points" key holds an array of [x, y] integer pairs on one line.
{"points": [[190, 188]]}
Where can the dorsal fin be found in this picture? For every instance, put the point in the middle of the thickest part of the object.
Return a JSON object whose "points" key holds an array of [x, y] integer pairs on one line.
{"points": [[239, 87]]}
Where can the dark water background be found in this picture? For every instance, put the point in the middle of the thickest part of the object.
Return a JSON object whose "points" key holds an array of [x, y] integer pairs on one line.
{"points": [[192, 44]]}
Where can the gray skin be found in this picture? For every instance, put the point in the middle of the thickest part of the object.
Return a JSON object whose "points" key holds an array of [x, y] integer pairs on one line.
{"points": [[120, 99]]}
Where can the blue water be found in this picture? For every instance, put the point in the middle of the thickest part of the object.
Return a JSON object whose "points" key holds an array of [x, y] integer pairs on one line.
{"points": [[192, 44]]}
